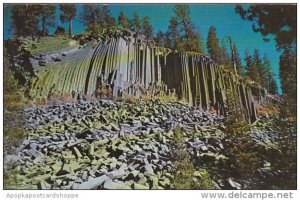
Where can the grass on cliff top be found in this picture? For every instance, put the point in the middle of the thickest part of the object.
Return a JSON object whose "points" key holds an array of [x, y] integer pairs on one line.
{"points": [[49, 44]]}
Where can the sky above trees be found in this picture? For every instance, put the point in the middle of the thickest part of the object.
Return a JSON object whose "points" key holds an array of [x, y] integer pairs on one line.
{"points": [[222, 16]]}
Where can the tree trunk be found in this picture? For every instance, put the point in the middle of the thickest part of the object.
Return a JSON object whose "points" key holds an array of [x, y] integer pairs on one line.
{"points": [[232, 56], [70, 27], [188, 47], [44, 30]]}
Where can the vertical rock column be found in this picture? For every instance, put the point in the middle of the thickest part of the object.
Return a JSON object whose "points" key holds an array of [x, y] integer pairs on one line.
{"points": [[124, 65], [201, 82], [133, 68]]}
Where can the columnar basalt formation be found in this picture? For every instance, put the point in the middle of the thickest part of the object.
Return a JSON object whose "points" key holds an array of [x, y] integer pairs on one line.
{"points": [[129, 68], [203, 83], [128, 65]]}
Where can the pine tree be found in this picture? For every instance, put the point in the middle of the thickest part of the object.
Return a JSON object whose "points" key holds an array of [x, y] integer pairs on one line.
{"points": [[239, 65], [68, 14], [216, 50], [288, 76], [248, 59], [25, 20], [182, 13], [287, 71], [224, 58], [212, 44], [190, 39], [160, 38], [262, 16], [284, 29], [106, 19], [251, 69], [135, 23], [123, 20], [269, 81], [96, 18], [47, 14], [235, 123], [195, 40], [146, 28], [273, 88], [90, 17], [239, 145], [173, 34], [258, 69]]}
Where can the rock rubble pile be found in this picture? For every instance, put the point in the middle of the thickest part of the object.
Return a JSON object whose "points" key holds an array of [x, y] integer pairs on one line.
{"points": [[110, 145]]}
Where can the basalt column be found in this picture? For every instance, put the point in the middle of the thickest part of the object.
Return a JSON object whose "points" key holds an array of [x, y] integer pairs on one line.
{"points": [[127, 67], [132, 67], [201, 82]]}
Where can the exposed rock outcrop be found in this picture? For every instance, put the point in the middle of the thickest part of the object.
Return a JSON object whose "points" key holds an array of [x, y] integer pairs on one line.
{"points": [[128, 65]]}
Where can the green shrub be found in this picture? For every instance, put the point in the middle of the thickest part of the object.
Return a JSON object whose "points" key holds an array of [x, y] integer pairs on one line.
{"points": [[13, 121], [10, 179], [13, 107], [178, 135], [186, 176], [239, 145], [235, 123], [59, 30], [286, 159], [14, 136]]}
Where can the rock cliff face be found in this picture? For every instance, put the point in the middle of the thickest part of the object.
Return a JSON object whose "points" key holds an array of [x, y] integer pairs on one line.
{"points": [[202, 82], [127, 65]]}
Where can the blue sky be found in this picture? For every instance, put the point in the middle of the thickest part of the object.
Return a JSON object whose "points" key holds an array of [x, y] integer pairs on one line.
{"points": [[222, 16]]}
